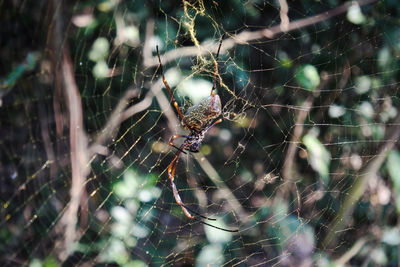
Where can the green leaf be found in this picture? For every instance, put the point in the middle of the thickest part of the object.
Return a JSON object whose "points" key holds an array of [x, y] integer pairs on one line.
{"points": [[50, 261], [129, 186], [336, 111], [307, 77], [385, 58], [35, 263], [318, 156], [100, 70], [121, 215], [210, 255], [366, 109], [289, 230], [202, 91], [10, 80], [391, 236], [354, 15], [107, 5], [217, 236], [284, 60], [99, 49], [115, 252], [363, 84], [378, 256], [135, 263], [393, 166], [280, 209]]}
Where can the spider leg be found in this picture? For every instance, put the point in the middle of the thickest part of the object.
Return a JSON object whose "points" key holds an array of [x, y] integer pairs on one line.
{"points": [[169, 89], [171, 141], [214, 123], [219, 228], [219, 121], [216, 67], [171, 175]]}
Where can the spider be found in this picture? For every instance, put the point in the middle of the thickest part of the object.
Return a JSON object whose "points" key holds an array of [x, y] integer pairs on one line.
{"points": [[198, 119]]}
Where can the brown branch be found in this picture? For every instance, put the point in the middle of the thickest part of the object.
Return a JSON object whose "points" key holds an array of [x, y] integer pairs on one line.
{"points": [[119, 115], [78, 146], [284, 15], [246, 36], [295, 140], [139, 107], [65, 89], [288, 165], [147, 46], [113, 122]]}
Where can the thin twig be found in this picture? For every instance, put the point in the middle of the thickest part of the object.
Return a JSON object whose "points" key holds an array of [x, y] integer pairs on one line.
{"points": [[147, 44], [295, 140], [138, 107], [351, 252]]}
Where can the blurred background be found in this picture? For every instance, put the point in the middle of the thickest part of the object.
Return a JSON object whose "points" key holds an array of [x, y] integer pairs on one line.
{"points": [[308, 172]]}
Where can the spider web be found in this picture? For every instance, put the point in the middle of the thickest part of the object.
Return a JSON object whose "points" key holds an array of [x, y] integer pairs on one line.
{"points": [[307, 172]]}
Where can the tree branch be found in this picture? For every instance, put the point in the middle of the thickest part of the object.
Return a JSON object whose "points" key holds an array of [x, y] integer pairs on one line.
{"points": [[113, 122], [246, 36], [78, 146]]}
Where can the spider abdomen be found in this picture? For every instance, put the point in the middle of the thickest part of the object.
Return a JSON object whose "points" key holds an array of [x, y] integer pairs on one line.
{"points": [[193, 141], [199, 116]]}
